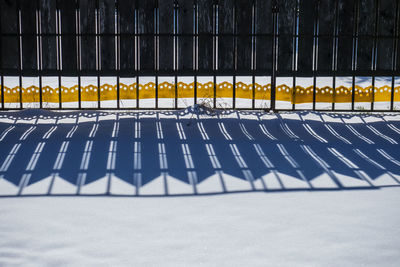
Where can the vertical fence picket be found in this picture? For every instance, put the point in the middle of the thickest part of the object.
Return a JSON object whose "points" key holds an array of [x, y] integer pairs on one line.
{"points": [[395, 53], [107, 31], [68, 35], [286, 23], [275, 12], [166, 39], [28, 27], [127, 29], [146, 35], [244, 32], [306, 40], [205, 40], [264, 38], [366, 26], [325, 40], [48, 29], [345, 31], [387, 16], [355, 50], [226, 30], [306, 30], [88, 41], [185, 40], [9, 38]]}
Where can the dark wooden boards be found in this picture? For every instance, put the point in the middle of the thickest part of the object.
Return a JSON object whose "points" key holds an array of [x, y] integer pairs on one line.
{"points": [[146, 28], [224, 37], [126, 11], [9, 43], [186, 28], [286, 29], [346, 16], [226, 42], [326, 23], [307, 19], [205, 20], [264, 25], [48, 30], [167, 27], [28, 27], [87, 10], [386, 30], [107, 30]]}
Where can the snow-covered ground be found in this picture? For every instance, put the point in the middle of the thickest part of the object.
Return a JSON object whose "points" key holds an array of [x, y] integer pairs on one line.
{"points": [[199, 187], [335, 228]]}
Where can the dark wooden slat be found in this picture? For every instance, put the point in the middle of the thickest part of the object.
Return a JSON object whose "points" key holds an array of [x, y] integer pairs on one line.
{"points": [[307, 17], [9, 52], [244, 43], [396, 56], [366, 22], [9, 18], [264, 17], [88, 43], [264, 26], [205, 43], [285, 24], [326, 17], [107, 25], [87, 9], [364, 53], [387, 15], [325, 53], [166, 49], [146, 25], [185, 26], [68, 26], [226, 50], [385, 49], [366, 25], [127, 25], [48, 26], [9, 45], [345, 26], [28, 25], [127, 16], [326, 27]]}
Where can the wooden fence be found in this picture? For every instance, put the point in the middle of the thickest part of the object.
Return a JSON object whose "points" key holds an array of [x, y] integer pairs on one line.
{"points": [[196, 38]]}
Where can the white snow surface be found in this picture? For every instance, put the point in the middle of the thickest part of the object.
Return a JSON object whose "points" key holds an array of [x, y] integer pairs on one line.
{"points": [[338, 228]]}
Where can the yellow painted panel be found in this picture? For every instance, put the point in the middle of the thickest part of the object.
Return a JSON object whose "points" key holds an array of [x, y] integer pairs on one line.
{"points": [[284, 92]]}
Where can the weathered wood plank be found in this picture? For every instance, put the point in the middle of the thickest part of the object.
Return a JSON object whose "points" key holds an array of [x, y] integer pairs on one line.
{"points": [[127, 26], [226, 49], [166, 26], [9, 44], [205, 42], [146, 26], [107, 26], [48, 26], [185, 26], [88, 42], [264, 25]]}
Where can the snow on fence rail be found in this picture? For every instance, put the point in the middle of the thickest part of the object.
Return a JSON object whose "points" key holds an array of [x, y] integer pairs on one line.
{"points": [[278, 55]]}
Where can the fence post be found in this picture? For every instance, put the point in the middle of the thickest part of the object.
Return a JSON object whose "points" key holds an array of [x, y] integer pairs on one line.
{"points": [[394, 53], [275, 12], [1, 68]]}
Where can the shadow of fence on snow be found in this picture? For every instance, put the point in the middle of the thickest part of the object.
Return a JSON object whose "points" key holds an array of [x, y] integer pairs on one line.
{"points": [[194, 152]]}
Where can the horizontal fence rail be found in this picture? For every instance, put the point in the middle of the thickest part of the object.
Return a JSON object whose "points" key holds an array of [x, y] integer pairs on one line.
{"points": [[250, 54]]}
